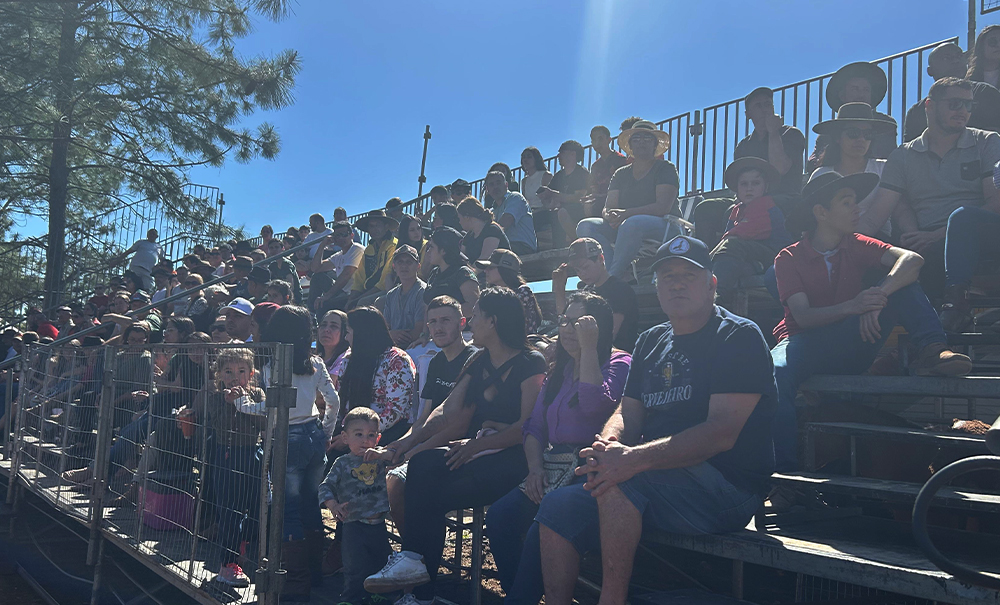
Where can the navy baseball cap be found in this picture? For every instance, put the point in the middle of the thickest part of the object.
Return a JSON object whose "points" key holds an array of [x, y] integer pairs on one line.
{"points": [[690, 249]]}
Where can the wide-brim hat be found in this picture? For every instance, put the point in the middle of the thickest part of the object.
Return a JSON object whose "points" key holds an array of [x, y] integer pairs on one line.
{"points": [[376, 215], [869, 71], [662, 137], [854, 114], [820, 190], [732, 175]]}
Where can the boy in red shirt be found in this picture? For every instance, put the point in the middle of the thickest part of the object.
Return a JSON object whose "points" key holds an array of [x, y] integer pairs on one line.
{"points": [[833, 324], [755, 232]]}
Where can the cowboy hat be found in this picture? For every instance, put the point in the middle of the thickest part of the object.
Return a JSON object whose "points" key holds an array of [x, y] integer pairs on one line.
{"points": [[501, 258], [662, 137], [854, 114], [820, 190], [732, 174], [376, 215], [869, 71]]}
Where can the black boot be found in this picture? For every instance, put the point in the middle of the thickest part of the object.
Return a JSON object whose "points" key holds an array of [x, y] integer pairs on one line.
{"points": [[316, 540], [956, 313], [295, 562]]}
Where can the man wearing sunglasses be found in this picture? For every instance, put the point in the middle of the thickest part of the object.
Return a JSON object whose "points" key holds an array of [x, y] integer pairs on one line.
{"points": [[945, 177], [863, 83]]}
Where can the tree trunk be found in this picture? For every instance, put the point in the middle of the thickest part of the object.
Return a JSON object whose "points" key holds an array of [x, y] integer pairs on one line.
{"points": [[59, 167]]}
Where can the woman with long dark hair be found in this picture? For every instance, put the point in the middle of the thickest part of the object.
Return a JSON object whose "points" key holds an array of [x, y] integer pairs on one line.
{"points": [[379, 375], [332, 345], [482, 234], [486, 410], [302, 525], [504, 269], [410, 232], [450, 275], [583, 386], [984, 64]]}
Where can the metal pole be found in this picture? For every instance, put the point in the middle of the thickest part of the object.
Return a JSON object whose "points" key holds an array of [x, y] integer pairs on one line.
{"points": [[98, 573], [222, 204], [105, 425], [8, 399], [972, 25], [280, 399], [423, 161], [695, 130]]}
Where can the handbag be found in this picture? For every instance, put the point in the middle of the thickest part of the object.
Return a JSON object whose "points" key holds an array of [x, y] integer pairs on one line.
{"points": [[559, 468]]}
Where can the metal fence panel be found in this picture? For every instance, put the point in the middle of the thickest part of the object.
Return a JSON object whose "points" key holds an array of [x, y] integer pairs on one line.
{"points": [[147, 444]]}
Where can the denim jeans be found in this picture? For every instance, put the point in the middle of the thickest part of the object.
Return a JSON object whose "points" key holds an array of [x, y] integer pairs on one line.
{"points": [[365, 549], [303, 474], [837, 348], [631, 234], [236, 477], [518, 564], [968, 229]]}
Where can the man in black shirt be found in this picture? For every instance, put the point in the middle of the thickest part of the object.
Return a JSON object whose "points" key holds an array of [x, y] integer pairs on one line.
{"points": [[587, 258], [782, 146], [283, 269], [562, 196], [689, 449]]}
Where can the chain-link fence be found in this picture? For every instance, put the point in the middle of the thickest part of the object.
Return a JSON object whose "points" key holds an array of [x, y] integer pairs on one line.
{"points": [[162, 448]]}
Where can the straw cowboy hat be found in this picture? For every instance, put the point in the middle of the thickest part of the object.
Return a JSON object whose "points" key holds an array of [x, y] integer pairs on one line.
{"points": [[662, 138], [869, 71], [854, 114], [376, 215], [732, 175]]}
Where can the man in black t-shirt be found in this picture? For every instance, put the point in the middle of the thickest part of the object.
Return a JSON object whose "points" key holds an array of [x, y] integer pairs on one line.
{"points": [[587, 258], [283, 269], [640, 197], [689, 449], [789, 144], [562, 196]]}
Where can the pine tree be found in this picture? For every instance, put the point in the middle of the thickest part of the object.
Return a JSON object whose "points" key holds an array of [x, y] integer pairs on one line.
{"points": [[103, 100]]}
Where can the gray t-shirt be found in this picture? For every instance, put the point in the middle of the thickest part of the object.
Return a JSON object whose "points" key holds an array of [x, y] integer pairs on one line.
{"points": [[935, 187], [360, 483], [405, 311]]}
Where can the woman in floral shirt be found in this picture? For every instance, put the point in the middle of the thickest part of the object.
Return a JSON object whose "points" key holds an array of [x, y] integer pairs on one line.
{"points": [[378, 375]]}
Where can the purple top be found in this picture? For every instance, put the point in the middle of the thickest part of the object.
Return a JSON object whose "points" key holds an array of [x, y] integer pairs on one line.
{"points": [[559, 423]]}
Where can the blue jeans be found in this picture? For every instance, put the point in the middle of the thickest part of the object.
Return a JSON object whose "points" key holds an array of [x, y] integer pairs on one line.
{"points": [[518, 560], [692, 501], [631, 234], [126, 445], [837, 348], [236, 476], [303, 474], [968, 228]]}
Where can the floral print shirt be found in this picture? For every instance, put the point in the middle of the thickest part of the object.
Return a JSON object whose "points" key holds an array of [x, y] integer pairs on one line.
{"points": [[394, 388]]}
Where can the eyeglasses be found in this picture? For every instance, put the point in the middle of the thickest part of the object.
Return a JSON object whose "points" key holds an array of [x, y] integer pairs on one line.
{"points": [[956, 104], [564, 320], [218, 328], [857, 133]]}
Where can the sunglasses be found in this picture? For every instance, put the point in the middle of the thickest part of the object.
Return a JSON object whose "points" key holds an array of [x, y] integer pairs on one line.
{"points": [[956, 104], [563, 321], [641, 138], [218, 328], [857, 133], [191, 283]]}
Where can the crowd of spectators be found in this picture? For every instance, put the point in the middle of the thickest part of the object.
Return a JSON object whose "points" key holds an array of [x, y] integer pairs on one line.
{"points": [[420, 371]]}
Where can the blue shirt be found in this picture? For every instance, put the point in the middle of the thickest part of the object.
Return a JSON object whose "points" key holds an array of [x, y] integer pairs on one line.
{"points": [[523, 229], [675, 375]]}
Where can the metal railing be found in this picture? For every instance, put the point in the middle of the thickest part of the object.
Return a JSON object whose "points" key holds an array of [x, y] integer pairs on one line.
{"points": [[703, 141], [143, 444]]}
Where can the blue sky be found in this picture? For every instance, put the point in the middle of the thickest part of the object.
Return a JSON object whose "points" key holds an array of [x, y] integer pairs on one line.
{"points": [[492, 78]]}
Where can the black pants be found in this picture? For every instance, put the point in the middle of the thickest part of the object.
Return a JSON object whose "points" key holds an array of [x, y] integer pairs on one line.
{"points": [[432, 491], [365, 550]]}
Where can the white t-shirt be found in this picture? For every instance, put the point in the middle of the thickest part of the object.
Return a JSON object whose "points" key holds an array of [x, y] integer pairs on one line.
{"points": [[315, 237], [529, 185], [307, 387], [875, 167], [352, 257], [147, 254]]}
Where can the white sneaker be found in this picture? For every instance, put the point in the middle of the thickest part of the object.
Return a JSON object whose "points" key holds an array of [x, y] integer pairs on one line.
{"points": [[403, 570], [409, 599]]}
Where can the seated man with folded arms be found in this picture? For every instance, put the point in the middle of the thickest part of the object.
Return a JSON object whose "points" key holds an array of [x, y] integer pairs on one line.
{"points": [[950, 210], [689, 448], [755, 232], [833, 323], [640, 196]]}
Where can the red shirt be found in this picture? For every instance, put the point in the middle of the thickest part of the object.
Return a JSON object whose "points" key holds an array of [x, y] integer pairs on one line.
{"points": [[800, 268], [46, 329]]}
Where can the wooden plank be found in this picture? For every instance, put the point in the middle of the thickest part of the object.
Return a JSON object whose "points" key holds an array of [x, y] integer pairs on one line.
{"points": [[889, 491], [987, 387], [966, 441], [869, 552]]}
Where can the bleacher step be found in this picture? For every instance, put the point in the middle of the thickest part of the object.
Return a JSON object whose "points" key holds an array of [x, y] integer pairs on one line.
{"points": [[897, 492], [876, 553], [972, 443], [964, 387]]}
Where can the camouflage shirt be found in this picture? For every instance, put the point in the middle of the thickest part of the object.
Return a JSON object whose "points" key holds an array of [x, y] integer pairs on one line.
{"points": [[360, 483]]}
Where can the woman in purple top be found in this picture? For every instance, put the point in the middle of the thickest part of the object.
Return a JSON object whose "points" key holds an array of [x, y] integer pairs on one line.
{"points": [[581, 390]]}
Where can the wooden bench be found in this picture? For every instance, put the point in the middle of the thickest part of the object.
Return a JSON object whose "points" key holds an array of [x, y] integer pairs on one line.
{"points": [[870, 552]]}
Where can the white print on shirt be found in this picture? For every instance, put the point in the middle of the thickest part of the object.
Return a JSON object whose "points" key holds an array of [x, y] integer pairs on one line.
{"points": [[671, 384]]}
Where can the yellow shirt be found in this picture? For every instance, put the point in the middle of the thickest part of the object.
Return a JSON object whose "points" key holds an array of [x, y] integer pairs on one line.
{"points": [[376, 265]]}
